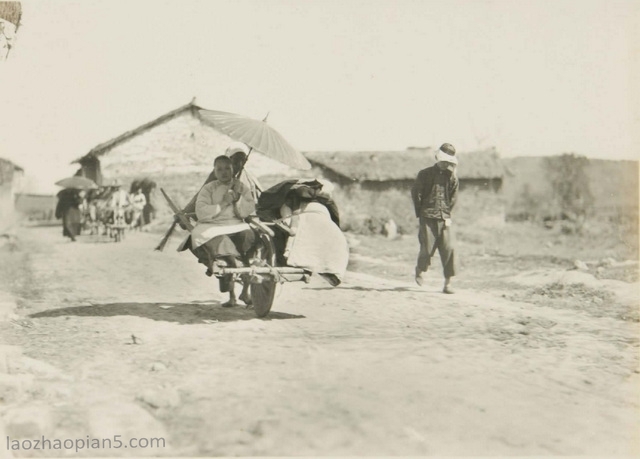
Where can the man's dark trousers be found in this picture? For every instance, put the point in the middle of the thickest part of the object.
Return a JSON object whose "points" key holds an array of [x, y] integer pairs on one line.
{"points": [[433, 232]]}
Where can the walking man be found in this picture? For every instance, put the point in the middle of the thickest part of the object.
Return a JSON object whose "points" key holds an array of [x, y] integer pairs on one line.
{"points": [[434, 194]]}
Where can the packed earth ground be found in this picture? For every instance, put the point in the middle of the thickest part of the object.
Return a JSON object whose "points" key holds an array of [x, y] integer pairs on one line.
{"points": [[536, 353]]}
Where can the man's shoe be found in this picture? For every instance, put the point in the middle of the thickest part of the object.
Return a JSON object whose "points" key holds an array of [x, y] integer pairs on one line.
{"points": [[448, 290], [229, 304], [419, 279]]}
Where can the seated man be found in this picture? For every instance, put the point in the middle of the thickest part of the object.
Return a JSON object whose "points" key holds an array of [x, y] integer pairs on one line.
{"points": [[221, 233]]}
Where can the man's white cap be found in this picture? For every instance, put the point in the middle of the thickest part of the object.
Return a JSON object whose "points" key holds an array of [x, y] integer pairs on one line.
{"points": [[447, 153]]}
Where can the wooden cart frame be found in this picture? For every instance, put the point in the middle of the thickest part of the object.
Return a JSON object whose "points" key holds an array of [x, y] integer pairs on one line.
{"points": [[264, 274]]}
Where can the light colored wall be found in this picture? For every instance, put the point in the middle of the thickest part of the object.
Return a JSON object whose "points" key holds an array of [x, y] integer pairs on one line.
{"points": [[182, 145], [36, 206]]}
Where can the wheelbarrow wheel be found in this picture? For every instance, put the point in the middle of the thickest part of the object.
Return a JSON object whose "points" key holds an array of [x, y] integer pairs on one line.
{"points": [[264, 292]]}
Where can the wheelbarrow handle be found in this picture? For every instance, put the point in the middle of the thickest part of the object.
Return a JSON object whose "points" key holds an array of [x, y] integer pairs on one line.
{"points": [[252, 220]]}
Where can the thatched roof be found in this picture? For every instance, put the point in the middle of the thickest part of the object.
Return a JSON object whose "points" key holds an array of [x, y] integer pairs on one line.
{"points": [[11, 12], [382, 166], [102, 148]]}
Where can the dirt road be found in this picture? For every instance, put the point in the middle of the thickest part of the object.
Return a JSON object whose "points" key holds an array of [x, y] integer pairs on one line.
{"points": [[374, 367]]}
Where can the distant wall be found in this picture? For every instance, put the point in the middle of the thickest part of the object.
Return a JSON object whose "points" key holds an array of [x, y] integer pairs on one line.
{"points": [[36, 207], [614, 185]]}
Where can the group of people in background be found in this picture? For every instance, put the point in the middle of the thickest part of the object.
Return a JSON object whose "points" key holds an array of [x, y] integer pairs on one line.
{"points": [[123, 209], [99, 209]]}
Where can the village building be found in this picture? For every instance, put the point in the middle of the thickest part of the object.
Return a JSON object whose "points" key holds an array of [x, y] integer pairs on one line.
{"points": [[380, 170], [380, 181], [175, 150]]}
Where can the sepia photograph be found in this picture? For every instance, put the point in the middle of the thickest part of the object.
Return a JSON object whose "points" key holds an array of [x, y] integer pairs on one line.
{"points": [[356, 228]]}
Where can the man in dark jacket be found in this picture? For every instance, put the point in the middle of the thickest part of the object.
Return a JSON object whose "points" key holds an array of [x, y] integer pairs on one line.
{"points": [[434, 194]]}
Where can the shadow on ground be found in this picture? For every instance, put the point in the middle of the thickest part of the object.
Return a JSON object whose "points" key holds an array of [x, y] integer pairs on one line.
{"points": [[96, 239], [359, 288], [183, 313]]}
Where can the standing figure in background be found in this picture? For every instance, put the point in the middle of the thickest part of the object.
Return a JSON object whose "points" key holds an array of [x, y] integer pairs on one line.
{"points": [[138, 201], [92, 209], [146, 186], [148, 213], [434, 194], [85, 219], [119, 203], [68, 209]]}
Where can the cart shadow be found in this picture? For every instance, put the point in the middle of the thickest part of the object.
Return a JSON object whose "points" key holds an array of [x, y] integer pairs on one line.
{"points": [[182, 313], [88, 239], [359, 288], [96, 239]]}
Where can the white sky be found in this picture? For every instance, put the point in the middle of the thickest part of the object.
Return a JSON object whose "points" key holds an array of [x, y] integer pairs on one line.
{"points": [[530, 77]]}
